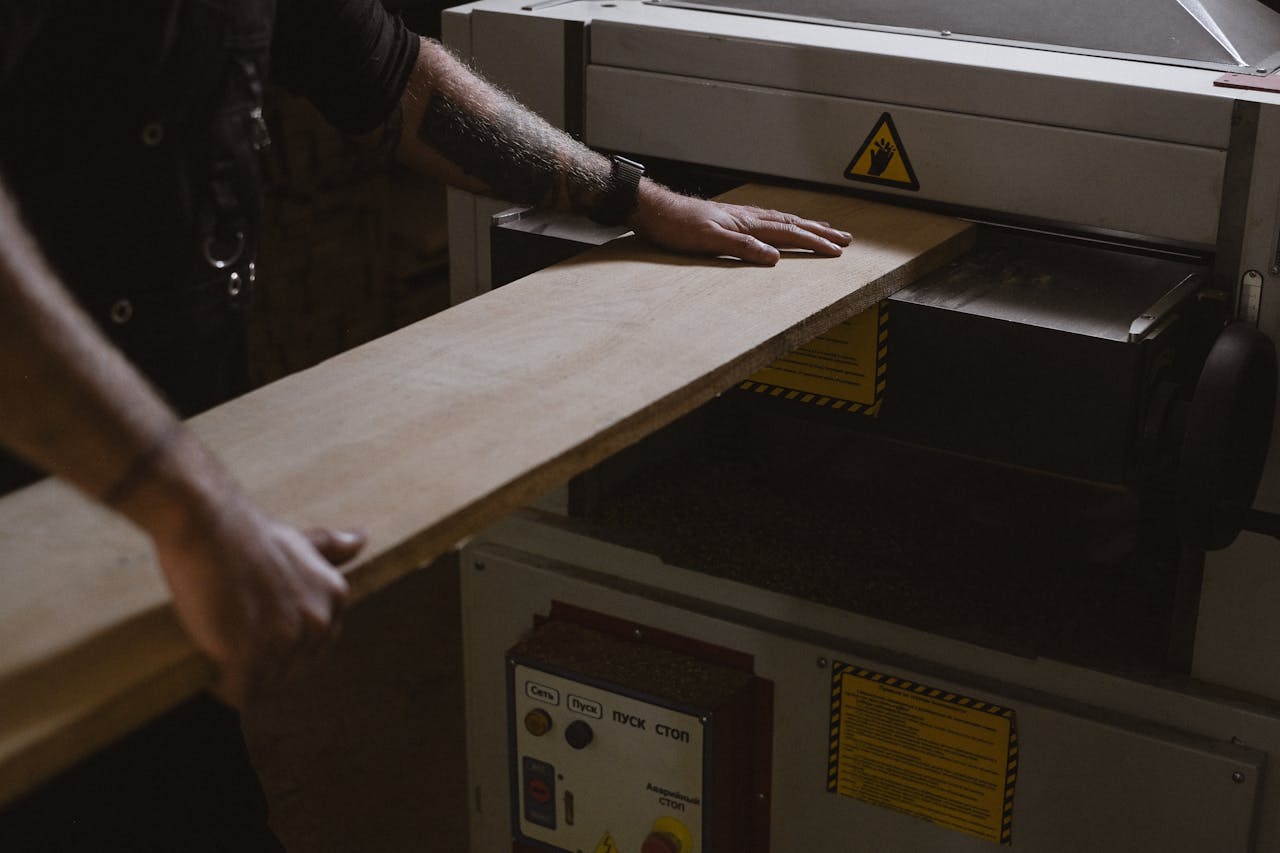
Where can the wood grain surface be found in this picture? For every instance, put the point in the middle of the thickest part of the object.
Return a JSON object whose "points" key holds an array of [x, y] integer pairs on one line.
{"points": [[422, 438]]}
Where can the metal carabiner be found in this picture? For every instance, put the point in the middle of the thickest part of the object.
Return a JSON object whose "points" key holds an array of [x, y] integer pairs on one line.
{"points": [[223, 263]]}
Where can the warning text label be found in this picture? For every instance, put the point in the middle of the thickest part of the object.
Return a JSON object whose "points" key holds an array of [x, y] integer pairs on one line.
{"points": [[947, 758]]}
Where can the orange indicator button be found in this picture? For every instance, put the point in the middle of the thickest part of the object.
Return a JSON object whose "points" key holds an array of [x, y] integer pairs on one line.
{"points": [[537, 722]]}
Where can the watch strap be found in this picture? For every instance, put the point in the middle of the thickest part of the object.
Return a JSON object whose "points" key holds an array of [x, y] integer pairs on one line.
{"points": [[620, 199]]}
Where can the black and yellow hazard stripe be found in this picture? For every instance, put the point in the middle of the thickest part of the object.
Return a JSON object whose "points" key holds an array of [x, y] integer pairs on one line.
{"points": [[1010, 781], [838, 669], [835, 404], [882, 354], [925, 690]]}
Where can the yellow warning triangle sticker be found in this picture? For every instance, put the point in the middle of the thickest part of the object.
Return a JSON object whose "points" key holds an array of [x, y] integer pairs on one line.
{"points": [[607, 845], [882, 159]]}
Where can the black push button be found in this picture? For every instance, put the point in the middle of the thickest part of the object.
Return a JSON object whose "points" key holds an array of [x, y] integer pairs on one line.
{"points": [[579, 735]]}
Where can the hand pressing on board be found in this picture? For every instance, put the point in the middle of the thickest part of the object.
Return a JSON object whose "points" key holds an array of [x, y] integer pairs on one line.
{"points": [[461, 129], [697, 226]]}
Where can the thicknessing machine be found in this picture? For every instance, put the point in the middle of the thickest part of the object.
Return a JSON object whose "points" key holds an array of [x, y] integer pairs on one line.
{"points": [[968, 570]]}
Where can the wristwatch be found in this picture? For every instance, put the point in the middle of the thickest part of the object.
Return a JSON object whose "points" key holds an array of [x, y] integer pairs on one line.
{"points": [[619, 201]]}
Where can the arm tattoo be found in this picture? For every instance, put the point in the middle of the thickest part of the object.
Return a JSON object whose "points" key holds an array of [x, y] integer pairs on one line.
{"points": [[389, 140], [515, 154]]}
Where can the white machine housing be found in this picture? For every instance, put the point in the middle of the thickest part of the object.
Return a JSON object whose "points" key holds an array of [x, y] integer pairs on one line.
{"points": [[1120, 148]]}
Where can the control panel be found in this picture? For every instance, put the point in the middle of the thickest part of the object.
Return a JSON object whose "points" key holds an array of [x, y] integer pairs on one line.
{"points": [[574, 740], [619, 746]]}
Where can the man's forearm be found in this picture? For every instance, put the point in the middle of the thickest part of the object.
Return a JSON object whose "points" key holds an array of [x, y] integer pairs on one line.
{"points": [[71, 404], [465, 131]]}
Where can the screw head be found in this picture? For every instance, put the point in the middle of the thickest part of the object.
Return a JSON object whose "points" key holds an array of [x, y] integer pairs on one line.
{"points": [[479, 565], [1238, 777]]}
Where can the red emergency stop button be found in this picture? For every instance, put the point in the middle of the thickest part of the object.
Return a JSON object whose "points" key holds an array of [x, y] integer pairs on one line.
{"points": [[668, 835], [660, 842]]}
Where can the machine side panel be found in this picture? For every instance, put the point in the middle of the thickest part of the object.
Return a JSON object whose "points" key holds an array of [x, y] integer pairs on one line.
{"points": [[1260, 254], [526, 57], [468, 269], [934, 77], [455, 31], [1088, 778], [1238, 632], [464, 263], [1093, 180]]}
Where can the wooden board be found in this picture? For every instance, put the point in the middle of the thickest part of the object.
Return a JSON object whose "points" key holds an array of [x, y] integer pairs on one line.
{"points": [[422, 438]]}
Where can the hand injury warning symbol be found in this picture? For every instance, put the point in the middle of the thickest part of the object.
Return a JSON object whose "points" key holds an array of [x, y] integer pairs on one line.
{"points": [[882, 159]]}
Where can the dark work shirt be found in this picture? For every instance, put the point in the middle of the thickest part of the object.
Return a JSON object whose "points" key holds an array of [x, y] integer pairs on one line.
{"points": [[128, 139], [125, 129], [128, 136], [350, 57]]}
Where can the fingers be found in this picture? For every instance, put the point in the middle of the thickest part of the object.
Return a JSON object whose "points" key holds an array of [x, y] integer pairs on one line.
{"points": [[810, 226], [791, 232], [784, 235], [322, 591], [760, 241], [778, 230], [746, 247], [699, 226], [290, 610], [337, 546]]}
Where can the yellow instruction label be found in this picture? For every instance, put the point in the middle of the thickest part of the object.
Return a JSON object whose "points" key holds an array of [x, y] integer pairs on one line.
{"points": [[947, 758], [842, 370], [607, 844]]}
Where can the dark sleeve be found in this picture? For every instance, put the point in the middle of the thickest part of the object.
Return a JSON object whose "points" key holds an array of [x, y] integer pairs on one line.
{"points": [[20, 22], [351, 58]]}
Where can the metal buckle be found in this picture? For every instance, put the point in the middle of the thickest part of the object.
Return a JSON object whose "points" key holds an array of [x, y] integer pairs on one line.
{"points": [[223, 263]]}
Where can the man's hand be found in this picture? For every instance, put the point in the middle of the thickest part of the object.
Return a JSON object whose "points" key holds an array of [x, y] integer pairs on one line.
{"points": [[701, 227], [259, 598], [460, 129]]}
